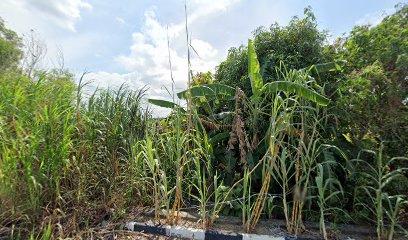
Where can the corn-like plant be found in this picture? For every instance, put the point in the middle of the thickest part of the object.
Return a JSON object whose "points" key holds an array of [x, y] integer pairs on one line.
{"points": [[380, 204], [149, 154], [177, 150], [246, 205], [219, 189], [325, 193], [394, 205], [200, 184]]}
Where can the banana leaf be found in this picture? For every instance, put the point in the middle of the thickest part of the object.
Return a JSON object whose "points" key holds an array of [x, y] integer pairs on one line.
{"points": [[326, 67], [254, 70], [209, 91], [296, 88], [165, 104]]}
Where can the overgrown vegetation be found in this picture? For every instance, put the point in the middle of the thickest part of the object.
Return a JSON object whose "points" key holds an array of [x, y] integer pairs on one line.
{"points": [[281, 130]]}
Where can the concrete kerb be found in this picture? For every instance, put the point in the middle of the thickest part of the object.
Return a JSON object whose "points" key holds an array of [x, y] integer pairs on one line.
{"points": [[198, 234]]}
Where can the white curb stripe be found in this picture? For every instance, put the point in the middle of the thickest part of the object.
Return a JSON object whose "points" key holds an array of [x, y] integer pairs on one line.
{"points": [[181, 232], [130, 226]]}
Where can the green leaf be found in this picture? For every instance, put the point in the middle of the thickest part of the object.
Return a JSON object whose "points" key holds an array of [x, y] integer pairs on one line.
{"points": [[219, 137], [254, 70], [209, 91], [326, 67], [165, 104], [296, 88]]}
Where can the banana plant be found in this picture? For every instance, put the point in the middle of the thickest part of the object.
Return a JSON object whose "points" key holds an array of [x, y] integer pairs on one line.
{"points": [[215, 92], [295, 83], [292, 84], [201, 95], [326, 67], [166, 104], [210, 91], [296, 87]]}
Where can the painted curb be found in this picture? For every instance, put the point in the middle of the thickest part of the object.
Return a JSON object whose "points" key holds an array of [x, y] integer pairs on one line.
{"points": [[199, 234]]}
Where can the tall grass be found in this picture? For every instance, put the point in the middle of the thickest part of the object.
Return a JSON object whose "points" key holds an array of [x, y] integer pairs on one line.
{"points": [[113, 122], [37, 126], [57, 155]]}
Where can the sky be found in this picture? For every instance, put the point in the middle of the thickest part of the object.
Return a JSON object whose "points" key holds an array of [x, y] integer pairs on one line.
{"points": [[126, 41]]}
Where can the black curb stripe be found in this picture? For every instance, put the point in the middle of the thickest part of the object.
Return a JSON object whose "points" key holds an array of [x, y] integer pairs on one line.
{"points": [[214, 235], [150, 229], [299, 238]]}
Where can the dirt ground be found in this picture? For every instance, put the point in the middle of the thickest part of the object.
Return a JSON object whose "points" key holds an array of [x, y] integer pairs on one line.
{"points": [[107, 233], [136, 235]]}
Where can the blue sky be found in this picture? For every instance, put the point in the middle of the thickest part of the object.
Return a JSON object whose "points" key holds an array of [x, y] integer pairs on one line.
{"points": [[125, 41]]}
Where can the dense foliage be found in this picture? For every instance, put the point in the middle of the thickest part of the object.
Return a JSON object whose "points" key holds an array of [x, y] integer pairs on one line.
{"points": [[298, 45], [373, 93], [370, 93], [281, 130]]}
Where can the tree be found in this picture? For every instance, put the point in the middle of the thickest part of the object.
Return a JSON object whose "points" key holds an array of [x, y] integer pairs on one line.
{"points": [[10, 47], [234, 70], [298, 45], [373, 93], [202, 78]]}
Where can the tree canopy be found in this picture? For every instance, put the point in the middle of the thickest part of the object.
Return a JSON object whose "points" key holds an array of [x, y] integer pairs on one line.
{"points": [[10, 47], [373, 93], [298, 45]]}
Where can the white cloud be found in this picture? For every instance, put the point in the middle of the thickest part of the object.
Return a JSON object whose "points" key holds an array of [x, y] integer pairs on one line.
{"points": [[148, 59], [203, 48], [120, 20], [107, 80], [375, 18], [214, 26], [64, 13], [54, 22], [204, 8]]}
